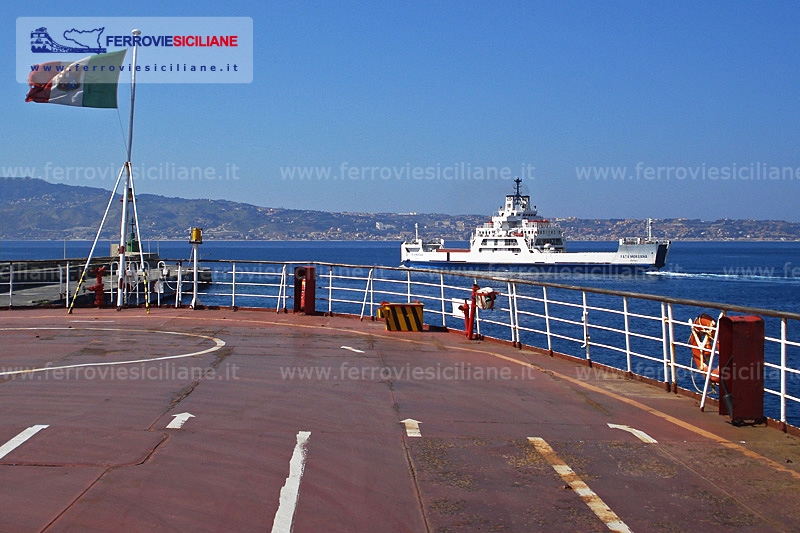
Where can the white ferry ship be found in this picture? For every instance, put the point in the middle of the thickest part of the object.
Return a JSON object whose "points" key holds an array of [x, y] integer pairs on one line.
{"points": [[518, 239]]}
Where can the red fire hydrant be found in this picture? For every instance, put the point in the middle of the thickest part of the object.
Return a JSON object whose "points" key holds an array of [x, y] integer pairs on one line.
{"points": [[469, 313], [484, 298], [98, 288]]}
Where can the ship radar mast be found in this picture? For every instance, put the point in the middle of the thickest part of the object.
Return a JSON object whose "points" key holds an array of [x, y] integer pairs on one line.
{"points": [[517, 195]]}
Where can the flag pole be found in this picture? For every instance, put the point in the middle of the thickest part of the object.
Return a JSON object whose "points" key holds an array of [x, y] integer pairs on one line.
{"points": [[94, 243], [128, 190]]}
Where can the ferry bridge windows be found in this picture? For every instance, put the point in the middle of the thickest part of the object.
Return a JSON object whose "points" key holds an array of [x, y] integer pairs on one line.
{"points": [[552, 242], [492, 250], [499, 242]]}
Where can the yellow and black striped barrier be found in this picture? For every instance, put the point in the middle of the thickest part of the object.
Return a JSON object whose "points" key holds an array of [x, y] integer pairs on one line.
{"points": [[402, 317]]}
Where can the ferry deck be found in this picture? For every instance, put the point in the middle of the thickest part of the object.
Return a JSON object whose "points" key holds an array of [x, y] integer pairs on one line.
{"points": [[248, 420]]}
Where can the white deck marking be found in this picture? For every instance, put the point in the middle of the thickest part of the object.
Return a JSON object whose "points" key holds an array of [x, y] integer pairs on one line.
{"points": [[218, 343], [598, 506], [291, 489], [638, 433], [24, 435], [179, 420], [412, 427], [352, 349]]}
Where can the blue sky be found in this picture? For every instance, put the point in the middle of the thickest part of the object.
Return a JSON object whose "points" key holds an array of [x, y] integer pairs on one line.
{"points": [[393, 100]]}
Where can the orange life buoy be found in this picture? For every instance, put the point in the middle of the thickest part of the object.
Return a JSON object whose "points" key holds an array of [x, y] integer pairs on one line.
{"points": [[704, 329]]}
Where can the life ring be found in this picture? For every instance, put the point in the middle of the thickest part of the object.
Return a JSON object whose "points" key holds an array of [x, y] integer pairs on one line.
{"points": [[704, 329]]}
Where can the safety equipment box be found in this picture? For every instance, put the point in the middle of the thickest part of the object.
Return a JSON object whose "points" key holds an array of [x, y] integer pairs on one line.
{"points": [[402, 317], [741, 369]]}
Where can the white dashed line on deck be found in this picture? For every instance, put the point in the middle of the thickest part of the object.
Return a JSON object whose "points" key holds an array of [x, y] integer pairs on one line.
{"points": [[638, 433], [20, 439], [291, 489], [597, 505]]}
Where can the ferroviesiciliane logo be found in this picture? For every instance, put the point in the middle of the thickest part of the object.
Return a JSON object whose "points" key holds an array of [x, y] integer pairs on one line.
{"points": [[171, 49], [81, 41]]}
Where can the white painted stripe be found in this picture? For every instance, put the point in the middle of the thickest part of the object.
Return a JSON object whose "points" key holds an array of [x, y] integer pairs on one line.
{"points": [[179, 420], [412, 427], [597, 505], [352, 349], [563, 470], [291, 489], [638, 433], [218, 343], [24, 435]]}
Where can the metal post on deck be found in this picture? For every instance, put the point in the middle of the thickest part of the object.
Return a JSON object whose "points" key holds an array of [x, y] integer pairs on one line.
{"points": [[671, 329], [441, 294], [783, 372], [195, 239], [283, 284], [547, 320], [586, 337], [408, 287], [178, 289], [710, 363], [664, 345], [511, 313], [330, 290], [371, 293], [627, 333], [233, 285], [10, 285], [367, 292]]}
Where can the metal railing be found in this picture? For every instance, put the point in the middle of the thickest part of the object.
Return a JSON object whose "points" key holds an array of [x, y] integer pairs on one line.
{"points": [[639, 334]]}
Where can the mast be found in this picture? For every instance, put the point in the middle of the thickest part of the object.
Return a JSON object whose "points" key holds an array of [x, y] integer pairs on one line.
{"points": [[127, 193], [517, 195]]}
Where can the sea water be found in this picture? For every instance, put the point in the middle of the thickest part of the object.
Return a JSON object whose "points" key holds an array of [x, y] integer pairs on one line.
{"points": [[762, 275], [753, 274]]}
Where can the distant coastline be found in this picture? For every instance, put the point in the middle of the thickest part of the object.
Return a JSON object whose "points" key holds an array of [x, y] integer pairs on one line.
{"points": [[33, 209]]}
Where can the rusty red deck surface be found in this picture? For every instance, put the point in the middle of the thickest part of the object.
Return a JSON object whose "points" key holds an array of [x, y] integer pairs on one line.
{"points": [[308, 423]]}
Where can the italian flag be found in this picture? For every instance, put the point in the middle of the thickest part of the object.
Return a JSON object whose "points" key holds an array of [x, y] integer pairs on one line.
{"points": [[88, 82]]}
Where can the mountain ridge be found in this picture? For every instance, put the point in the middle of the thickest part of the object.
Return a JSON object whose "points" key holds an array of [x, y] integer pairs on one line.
{"points": [[32, 209]]}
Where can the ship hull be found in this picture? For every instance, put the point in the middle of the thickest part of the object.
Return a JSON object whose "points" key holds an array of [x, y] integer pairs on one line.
{"points": [[628, 259]]}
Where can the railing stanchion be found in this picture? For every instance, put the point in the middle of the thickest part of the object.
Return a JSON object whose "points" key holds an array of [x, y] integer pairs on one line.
{"points": [[179, 288], [441, 295], [330, 289], [66, 287], [367, 293], [408, 287], [627, 334], [664, 345], [671, 330], [783, 370], [586, 336], [233, 284], [511, 314], [547, 320], [10, 285], [285, 283]]}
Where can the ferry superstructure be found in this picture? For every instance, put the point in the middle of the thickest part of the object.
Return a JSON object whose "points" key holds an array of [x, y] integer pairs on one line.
{"points": [[519, 238]]}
